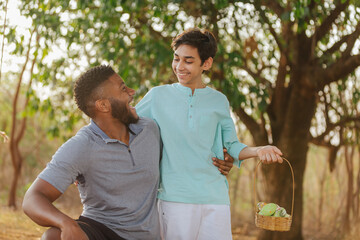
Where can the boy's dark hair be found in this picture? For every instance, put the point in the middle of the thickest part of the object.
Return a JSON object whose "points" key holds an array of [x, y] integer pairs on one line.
{"points": [[86, 86], [203, 40]]}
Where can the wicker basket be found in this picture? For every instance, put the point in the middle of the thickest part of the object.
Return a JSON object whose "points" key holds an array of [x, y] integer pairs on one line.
{"points": [[274, 223]]}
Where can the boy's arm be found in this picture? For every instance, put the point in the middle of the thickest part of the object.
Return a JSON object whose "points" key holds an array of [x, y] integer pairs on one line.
{"points": [[230, 140], [267, 154], [38, 206]]}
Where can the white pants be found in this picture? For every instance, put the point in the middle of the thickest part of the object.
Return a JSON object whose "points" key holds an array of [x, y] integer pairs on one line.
{"points": [[183, 221]]}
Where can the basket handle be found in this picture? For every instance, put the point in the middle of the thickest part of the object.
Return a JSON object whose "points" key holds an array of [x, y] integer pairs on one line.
{"points": [[293, 186]]}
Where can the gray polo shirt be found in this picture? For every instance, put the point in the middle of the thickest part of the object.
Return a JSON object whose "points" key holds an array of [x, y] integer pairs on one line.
{"points": [[117, 183]]}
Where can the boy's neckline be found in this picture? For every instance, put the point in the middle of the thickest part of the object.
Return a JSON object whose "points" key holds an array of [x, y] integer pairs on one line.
{"points": [[189, 90]]}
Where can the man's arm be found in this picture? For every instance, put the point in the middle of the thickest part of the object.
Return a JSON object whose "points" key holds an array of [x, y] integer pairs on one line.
{"points": [[267, 154], [38, 206]]}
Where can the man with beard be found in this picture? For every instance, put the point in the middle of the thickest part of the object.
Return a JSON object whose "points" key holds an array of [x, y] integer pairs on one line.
{"points": [[115, 160]]}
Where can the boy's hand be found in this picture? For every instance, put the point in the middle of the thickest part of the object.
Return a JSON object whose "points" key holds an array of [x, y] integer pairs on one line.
{"points": [[225, 165], [269, 154]]}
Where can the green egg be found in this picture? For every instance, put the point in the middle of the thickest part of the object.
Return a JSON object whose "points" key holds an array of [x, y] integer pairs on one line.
{"points": [[282, 212], [269, 209], [260, 205], [277, 214]]}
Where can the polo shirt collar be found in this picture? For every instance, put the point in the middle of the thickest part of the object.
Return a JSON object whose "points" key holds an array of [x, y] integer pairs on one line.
{"points": [[134, 128]]}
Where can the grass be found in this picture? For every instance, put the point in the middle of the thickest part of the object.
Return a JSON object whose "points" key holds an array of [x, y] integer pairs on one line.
{"points": [[15, 225]]}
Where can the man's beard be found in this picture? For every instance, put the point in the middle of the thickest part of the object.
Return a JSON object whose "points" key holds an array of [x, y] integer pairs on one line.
{"points": [[120, 111]]}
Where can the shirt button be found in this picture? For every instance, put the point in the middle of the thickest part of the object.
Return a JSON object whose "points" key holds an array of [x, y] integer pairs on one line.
{"points": [[190, 105], [190, 116]]}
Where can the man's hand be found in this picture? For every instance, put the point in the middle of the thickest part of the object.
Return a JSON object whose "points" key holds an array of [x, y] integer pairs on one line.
{"points": [[225, 165], [269, 154], [72, 231], [38, 205]]}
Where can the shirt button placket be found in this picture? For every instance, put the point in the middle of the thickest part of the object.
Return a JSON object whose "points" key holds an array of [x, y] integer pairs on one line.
{"points": [[191, 112]]}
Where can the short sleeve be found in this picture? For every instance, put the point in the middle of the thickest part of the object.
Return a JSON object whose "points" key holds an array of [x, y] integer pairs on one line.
{"points": [[66, 164]]}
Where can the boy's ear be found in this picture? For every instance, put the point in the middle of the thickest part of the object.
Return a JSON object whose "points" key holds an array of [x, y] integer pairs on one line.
{"points": [[208, 63]]}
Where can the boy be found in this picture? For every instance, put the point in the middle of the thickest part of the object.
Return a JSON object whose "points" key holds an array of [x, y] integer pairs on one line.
{"points": [[195, 124]]}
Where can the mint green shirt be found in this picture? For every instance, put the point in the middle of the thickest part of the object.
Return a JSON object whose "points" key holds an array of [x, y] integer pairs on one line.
{"points": [[194, 128]]}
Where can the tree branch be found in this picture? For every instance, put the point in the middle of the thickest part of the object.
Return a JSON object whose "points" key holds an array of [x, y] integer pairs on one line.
{"points": [[13, 137], [24, 120], [277, 107], [271, 29], [272, 5], [324, 28], [320, 140], [350, 39], [256, 75], [332, 156], [279, 10], [312, 5], [143, 20], [340, 69], [258, 131]]}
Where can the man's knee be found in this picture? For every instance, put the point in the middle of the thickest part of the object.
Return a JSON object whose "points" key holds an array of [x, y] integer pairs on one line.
{"points": [[52, 234]]}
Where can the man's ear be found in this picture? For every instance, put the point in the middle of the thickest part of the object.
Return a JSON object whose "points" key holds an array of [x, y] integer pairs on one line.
{"points": [[208, 63], [102, 105]]}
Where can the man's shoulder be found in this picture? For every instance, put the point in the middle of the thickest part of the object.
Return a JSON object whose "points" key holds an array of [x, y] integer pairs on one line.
{"points": [[77, 147], [149, 127], [82, 137], [147, 122]]}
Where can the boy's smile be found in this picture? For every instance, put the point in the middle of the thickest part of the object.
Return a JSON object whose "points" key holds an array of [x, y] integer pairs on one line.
{"points": [[188, 68]]}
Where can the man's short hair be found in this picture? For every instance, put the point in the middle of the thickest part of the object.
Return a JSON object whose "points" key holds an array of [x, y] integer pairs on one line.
{"points": [[85, 87], [203, 40]]}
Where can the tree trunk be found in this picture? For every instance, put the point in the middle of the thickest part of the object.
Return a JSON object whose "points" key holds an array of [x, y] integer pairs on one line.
{"points": [[357, 194], [281, 193], [349, 197], [234, 199], [17, 132], [15, 153], [321, 198]]}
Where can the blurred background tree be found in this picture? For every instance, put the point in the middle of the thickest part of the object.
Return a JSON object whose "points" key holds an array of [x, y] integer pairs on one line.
{"points": [[288, 68]]}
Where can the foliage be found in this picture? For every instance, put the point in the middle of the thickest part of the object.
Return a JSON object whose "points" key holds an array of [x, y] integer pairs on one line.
{"points": [[134, 37]]}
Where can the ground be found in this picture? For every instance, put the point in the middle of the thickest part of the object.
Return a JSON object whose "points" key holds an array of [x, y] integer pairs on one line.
{"points": [[15, 225]]}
